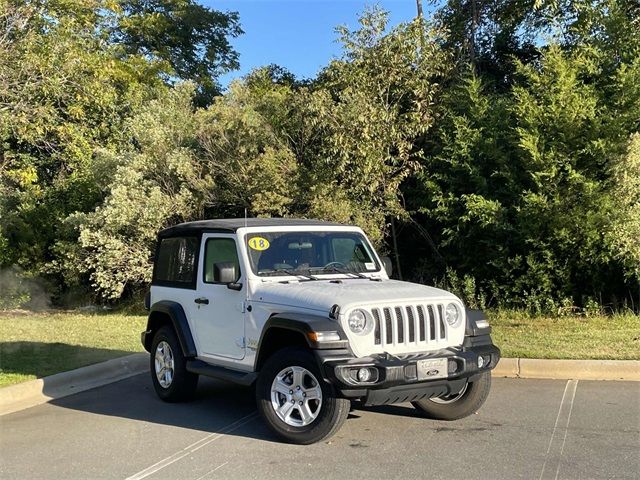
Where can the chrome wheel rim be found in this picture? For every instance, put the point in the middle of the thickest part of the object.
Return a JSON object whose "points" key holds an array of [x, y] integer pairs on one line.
{"points": [[296, 396], [164, 364], [454, 397]]}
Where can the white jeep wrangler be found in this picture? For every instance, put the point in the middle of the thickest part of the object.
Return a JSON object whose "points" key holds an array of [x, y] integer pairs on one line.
{"points": [[306, 311]]}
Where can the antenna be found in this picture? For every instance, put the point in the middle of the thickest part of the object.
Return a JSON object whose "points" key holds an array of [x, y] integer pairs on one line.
{"points": [[246, 248]]}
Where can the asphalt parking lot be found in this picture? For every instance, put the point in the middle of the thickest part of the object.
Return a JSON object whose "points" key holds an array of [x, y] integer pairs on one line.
{"points": [[539, 429]]}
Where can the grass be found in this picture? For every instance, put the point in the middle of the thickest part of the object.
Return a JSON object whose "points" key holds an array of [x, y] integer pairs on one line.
{"points": [[615, 337], [34, 345]]}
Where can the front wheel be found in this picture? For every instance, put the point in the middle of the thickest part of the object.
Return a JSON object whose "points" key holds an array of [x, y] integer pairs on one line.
{"points": [[295, 402], [460, 404]]}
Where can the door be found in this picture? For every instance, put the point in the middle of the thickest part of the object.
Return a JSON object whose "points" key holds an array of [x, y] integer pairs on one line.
{"points": [[217, 310]]}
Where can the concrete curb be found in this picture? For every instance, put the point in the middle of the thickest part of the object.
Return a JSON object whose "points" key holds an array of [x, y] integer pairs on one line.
{"points": [[626, 370], [29, 394]]}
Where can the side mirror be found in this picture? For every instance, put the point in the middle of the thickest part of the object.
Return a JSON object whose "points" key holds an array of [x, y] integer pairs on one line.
{"points": [[225, 272], [388, 265]]}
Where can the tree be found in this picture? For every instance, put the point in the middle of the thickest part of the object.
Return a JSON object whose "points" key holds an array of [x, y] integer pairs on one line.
{"points": [[624, 230], [64, 94], [520, 186], [70, 80], [186, 165], [249, 159], [157, 182], [382, 92], [192, 38]]}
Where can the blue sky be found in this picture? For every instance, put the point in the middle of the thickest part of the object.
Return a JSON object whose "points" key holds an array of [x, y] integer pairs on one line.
{"points": [[297, 34]]}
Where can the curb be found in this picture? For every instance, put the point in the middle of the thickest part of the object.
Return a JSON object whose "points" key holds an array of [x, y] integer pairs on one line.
{"points": [[35, 392], [625, 370]]}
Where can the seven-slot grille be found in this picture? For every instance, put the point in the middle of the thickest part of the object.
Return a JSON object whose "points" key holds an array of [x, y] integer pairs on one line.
{"points": [[417, 325]]}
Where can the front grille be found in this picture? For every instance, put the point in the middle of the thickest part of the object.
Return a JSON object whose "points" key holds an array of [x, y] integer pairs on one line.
{"points": [[409, 325]]}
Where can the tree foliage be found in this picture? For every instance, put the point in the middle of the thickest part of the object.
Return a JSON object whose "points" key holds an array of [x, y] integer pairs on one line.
{"points": [[192, 38], [500, 137], [522, 185]]}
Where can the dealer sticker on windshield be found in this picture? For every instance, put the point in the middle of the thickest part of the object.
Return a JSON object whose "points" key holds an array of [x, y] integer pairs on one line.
{"points": [[258, 243], [432, 368]]}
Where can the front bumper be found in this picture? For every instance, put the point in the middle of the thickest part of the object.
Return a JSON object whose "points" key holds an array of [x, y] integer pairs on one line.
{"points": [[397, 380]]}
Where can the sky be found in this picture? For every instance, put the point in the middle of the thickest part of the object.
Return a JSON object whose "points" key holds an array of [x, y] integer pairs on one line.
{"points": [[297, 34]]}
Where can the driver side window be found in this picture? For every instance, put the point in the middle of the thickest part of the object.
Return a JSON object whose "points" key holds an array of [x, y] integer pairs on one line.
{"points": [[217, 251]]}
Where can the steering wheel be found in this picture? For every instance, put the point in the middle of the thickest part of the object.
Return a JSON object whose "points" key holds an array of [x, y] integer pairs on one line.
{"points": [[335, 264]]}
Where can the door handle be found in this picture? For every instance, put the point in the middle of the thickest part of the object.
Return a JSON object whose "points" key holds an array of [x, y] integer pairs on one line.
{"points": [[202, 301]]}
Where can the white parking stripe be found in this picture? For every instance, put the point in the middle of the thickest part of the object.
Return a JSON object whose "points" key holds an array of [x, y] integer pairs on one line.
{"points": [[215, 469], [556, 449], [192, 448]]}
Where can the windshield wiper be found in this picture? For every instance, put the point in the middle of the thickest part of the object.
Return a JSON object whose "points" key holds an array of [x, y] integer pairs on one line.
{"points": [[343, 271], [293, 273]]}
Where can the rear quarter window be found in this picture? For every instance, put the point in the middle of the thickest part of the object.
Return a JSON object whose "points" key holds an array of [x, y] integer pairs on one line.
{"points": [[176, 262]]}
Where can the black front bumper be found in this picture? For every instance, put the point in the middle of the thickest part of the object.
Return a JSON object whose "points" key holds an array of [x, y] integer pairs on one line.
{"points": [[397, 375]]}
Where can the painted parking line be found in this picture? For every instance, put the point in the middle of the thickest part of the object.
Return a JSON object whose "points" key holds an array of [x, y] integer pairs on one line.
{"points": [[211, 471], [551, 466], [165, 462]]}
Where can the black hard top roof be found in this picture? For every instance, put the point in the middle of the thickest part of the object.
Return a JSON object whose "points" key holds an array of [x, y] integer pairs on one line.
{"points": [[230, 225]]}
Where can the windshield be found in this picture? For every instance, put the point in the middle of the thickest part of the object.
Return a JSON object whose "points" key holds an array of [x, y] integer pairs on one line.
{"points": [[310, 253]]}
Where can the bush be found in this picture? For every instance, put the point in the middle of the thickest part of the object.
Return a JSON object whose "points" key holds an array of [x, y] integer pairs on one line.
{"points": [[18, 290]]}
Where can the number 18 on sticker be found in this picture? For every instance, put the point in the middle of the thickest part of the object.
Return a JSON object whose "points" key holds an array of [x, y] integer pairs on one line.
{"points": [[258, 243]]}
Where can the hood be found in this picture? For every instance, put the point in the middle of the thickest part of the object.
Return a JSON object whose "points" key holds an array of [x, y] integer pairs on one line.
{"points": [[321, 295]]}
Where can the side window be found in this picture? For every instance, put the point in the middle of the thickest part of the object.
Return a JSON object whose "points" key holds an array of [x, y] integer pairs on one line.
{"points": [[219, 250], [175, 264]]}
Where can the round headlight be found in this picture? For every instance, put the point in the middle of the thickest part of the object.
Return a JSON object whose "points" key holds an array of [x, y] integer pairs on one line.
{"points": [[452, 315], [357, 321]]}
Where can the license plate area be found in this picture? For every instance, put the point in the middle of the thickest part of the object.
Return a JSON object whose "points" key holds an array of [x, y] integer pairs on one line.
{"points": [[432, 368]]}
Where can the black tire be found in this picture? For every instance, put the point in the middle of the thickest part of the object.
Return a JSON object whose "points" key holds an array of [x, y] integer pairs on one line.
{"points": [[458, 406], [330, 412], [183, 384]]}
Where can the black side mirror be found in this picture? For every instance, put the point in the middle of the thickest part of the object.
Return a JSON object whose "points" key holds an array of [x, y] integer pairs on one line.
{"points": [[388, 265], [225, 272]]}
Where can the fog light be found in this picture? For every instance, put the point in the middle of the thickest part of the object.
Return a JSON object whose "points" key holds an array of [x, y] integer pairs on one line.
{"points": [[480, 362], [358, 375], [452, 366], [364, 375]]}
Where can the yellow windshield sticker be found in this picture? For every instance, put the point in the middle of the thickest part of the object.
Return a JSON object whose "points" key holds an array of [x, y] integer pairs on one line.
{"points": [[259, 243]]}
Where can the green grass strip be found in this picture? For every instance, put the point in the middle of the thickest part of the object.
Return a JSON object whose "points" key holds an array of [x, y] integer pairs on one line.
{"points": [[615, 337], [34, 345]]}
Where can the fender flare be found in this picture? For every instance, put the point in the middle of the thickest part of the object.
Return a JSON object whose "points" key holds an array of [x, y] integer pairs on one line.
{"points": [[301, 324], [305, 323], [178, 319]]}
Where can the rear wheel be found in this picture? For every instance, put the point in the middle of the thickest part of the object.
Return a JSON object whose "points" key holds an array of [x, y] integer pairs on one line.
{"points": [[294, 400], [171, 380], [459, 404]]}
